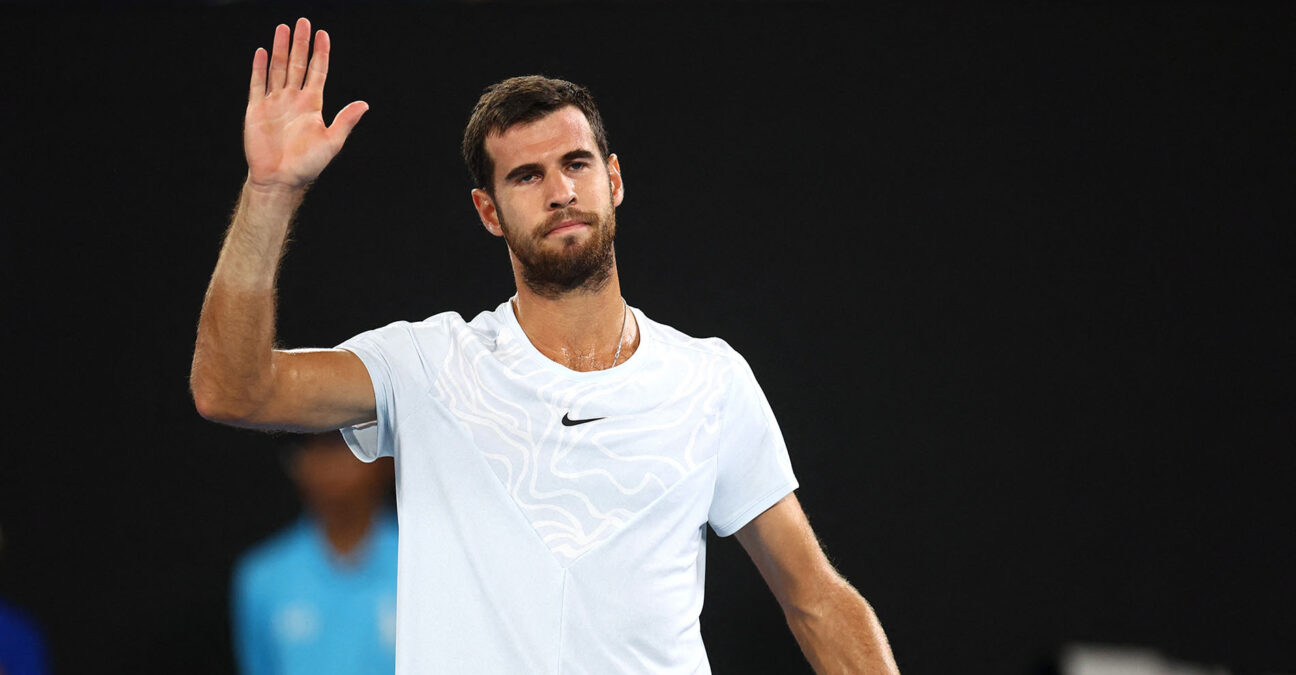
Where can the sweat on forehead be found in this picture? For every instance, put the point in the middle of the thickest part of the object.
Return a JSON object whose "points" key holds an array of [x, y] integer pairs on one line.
{"points": [[520, 100]]}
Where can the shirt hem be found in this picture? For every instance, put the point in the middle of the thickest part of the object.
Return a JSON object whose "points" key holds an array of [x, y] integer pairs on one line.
{"points": [[756, 508]]}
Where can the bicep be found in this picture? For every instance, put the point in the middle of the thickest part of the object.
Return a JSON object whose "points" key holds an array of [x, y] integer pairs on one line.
{"points": [[785, 550], [318, 390]]}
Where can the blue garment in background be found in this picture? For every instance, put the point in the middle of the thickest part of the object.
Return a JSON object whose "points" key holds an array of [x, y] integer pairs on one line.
{"points": [[297, 608], [22, 650]]}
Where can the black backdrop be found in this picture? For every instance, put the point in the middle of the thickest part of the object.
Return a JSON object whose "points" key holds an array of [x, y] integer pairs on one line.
{"points": [[1017, 280]]}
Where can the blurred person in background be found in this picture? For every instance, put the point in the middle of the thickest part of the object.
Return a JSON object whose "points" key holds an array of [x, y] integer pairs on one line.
{"points": [[320, 596], [22, 649]]}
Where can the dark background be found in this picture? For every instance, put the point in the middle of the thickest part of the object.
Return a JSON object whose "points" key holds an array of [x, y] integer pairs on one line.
{"points": [[1016, 278]]}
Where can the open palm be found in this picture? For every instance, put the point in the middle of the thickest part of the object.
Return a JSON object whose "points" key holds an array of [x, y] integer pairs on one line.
{"points": [[284, 136]]}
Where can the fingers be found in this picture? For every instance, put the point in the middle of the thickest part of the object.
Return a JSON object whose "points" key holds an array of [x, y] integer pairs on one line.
{"points": [[257, 88], [300, 53], [278, 60], [345, 121], [319, 62]]}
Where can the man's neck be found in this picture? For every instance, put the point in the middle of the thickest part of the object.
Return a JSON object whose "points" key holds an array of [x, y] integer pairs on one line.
{"points": [[581, 329], [345, 529]]}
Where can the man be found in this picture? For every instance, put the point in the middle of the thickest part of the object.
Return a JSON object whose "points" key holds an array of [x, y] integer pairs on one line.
{"points": [[558, 459], [320, 596]]}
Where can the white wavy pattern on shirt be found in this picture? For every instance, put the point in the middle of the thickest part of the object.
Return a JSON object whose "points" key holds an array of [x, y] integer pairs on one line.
{"points": [[575, 503]]}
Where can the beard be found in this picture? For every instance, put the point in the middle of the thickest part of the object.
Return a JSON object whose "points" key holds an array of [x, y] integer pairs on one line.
{"points": [[572, 266]]}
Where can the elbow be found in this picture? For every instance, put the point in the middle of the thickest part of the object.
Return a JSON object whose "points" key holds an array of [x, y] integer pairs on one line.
{"points": [[205, 392], [229, 413], [228, 396], [213, 407], [210, 407], [204, 396], [214, 404]]}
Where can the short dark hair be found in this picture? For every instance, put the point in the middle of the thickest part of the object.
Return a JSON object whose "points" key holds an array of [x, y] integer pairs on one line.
{"points": [[519, 100]]}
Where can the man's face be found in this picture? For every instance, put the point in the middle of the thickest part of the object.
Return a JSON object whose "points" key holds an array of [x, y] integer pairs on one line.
{"points": [[555, 202]]}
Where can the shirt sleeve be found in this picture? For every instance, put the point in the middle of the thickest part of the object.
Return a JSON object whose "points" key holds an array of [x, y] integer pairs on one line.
{"points": [[754, 471], [391, 355]]}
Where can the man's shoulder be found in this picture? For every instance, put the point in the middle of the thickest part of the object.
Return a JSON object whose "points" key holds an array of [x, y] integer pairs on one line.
{"points": [[731, 370], [437, 323], [678, 342], [484, 327]]}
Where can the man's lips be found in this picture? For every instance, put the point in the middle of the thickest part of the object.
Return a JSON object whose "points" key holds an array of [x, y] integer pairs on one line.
{"points": [[565, 227]]}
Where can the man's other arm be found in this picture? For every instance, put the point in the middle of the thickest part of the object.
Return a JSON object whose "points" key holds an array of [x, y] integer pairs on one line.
{"points": [[237, 376], [833, 624]]}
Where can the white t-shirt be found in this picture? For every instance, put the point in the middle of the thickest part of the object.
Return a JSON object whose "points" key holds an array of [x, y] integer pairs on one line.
{"points": [[554, 521]]}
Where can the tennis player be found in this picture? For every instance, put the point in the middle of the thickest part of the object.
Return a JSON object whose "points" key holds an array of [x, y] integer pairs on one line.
{"points": [[559, 457]]}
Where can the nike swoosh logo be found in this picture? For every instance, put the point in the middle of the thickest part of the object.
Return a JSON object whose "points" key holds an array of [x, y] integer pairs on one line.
{"points": [[569, 422]]}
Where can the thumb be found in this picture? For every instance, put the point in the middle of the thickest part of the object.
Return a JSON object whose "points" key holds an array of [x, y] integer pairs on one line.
{"points": [[345, 121]]}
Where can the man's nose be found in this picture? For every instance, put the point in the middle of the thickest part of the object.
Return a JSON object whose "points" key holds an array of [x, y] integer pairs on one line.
{"points": [[563, 193]]}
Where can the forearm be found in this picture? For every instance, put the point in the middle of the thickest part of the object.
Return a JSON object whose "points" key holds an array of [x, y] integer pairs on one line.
{"points": [[232, 368], [839, 633]]}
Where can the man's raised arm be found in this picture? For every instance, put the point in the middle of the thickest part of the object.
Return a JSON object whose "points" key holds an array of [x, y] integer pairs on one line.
{"points": [[237, 376]]}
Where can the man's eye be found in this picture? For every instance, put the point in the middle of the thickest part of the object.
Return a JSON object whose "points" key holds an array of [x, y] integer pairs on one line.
{"points": [[576, 166], [528, 178]]}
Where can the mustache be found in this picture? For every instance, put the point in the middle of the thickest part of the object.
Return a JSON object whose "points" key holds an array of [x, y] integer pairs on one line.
{"points": [[551, 223]]}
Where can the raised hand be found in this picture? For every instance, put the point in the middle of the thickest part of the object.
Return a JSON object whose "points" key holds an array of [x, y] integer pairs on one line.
{"points": [[284, 137]]}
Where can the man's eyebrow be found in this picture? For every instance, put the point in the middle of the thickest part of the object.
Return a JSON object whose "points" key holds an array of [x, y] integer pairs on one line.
{"points": [[534, 167], [523, 170], [577, 154]]}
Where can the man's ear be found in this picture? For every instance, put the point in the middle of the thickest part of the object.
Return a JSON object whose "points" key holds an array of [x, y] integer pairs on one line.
{"points": [[614, 178], [486, 211]]}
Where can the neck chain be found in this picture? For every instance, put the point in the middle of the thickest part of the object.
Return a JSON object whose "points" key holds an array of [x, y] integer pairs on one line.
{"points": [[625, 313], [625, 310]]}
